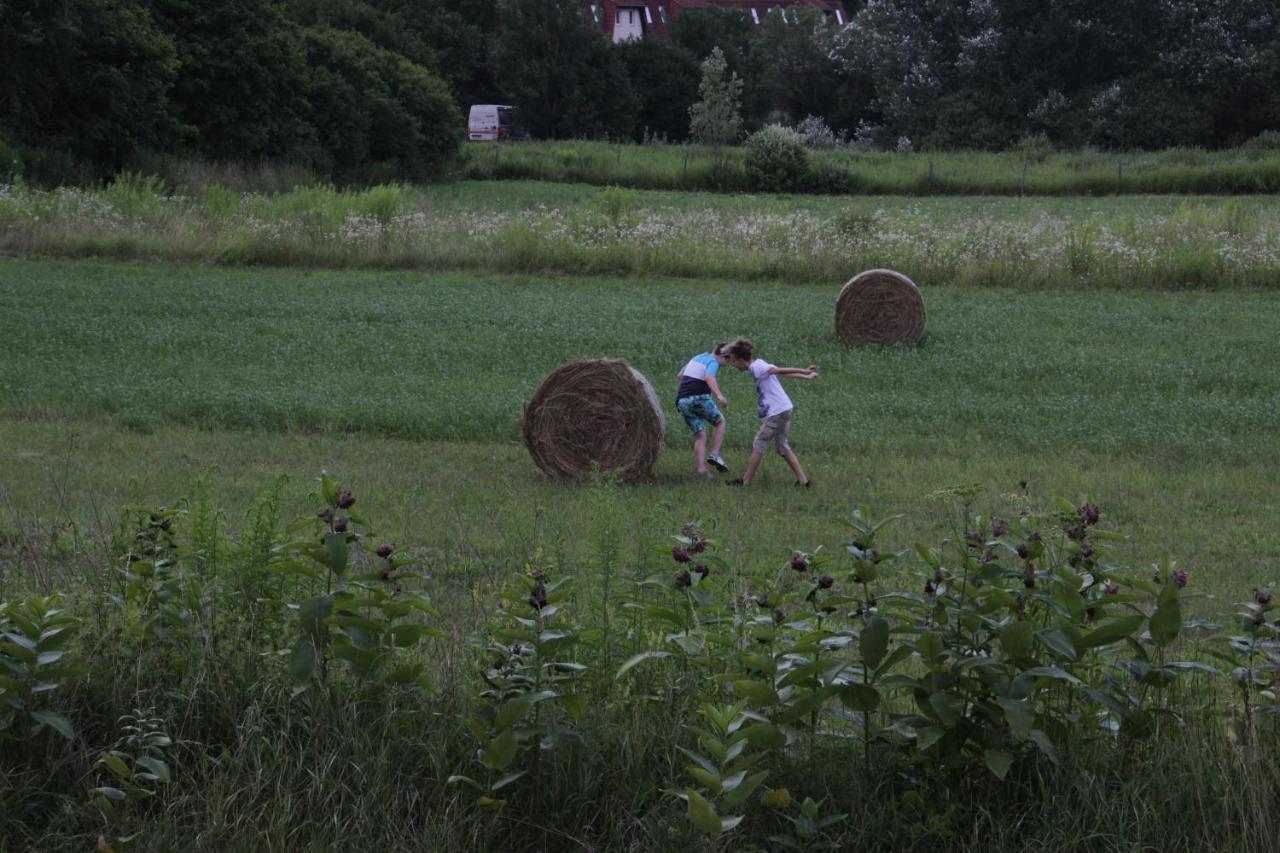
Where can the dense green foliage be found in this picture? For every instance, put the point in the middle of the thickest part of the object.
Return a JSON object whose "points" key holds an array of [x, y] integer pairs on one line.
{"points": [[1017, 670], [92, 85]]}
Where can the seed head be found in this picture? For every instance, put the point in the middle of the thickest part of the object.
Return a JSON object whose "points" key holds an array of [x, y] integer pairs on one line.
{"points": [[680, 555], [1263, 597], [698, 547], [999, 527], [1075, 532], [800, 564], [1023, 551], [1089, 513], [341, 524], [702, 570], [1180, 577], [683, 579], [384, 550], [974, 539], [826, 582], [1111, 588], [779, 617], [346, 500]]}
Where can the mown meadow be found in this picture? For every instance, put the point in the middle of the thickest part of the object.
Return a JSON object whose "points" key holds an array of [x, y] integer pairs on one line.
{"points": [[1061, 637]]}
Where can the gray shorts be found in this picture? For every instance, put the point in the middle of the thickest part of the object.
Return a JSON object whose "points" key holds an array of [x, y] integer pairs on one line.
{"points": [[775, 428]]}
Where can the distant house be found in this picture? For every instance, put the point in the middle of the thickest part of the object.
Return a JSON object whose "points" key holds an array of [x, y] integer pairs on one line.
{"points": [[633, 19]]}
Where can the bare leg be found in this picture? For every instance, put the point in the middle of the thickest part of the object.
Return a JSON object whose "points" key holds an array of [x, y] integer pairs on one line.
{"points": [[700, 451], [752, 465], [717, 436], [795, 466]]}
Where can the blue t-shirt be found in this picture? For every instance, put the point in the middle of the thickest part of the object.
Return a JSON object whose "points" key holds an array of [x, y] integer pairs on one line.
{"points": [[693, 379]]}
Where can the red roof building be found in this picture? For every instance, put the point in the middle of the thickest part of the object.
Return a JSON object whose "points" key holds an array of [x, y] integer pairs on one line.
{"points": [[631, 19]]}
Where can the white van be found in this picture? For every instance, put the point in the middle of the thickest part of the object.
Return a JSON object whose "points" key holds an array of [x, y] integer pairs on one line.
{"points": [[494, 123]]}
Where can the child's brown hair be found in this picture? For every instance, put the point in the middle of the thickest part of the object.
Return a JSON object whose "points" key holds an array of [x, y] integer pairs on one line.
{"points": [[741, 348]]}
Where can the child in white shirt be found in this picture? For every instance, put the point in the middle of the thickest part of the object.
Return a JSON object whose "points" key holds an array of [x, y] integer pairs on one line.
{"points": [[774, 408]]}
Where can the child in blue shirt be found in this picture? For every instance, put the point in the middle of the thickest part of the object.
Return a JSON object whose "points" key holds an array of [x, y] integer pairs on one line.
{"points": [[694, 400]]}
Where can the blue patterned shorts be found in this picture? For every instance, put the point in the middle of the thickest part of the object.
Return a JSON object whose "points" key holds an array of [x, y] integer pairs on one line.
{"points": [[699, 410]]}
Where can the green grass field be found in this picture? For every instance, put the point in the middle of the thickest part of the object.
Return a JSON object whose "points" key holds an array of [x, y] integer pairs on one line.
{"points": [[1044, 172], [1120, 352], [134, 378], [1125, 243]]}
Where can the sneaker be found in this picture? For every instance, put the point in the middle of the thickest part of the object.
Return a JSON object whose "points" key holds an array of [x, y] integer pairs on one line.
{"points": [[717, 460], [737, 481], [806, 483]]}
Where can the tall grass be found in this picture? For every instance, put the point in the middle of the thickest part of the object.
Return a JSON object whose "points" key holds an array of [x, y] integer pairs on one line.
{"points": [[842, 171], [255, 766], [1034, 243]]}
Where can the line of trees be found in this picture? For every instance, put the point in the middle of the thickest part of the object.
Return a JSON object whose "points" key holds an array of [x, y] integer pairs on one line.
{"points": [[380, 87]]}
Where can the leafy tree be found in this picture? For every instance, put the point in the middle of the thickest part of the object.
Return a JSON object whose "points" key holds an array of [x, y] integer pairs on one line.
{"points": [[87, 77], [664, 77], [242, 80], [701, 30], [799, 77], [715, 119], [561, 70], [374, 109]]}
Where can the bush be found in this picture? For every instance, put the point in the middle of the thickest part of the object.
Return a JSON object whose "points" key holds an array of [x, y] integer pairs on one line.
{"points": [[814, 133], [776, 159]]}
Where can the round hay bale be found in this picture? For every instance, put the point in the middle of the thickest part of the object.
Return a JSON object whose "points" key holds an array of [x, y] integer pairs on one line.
{"points": [[880, 307], [597, 412]]}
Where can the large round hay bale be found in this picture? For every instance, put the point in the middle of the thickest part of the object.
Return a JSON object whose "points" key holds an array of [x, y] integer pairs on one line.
{"points": [[600, 412], [880, 307]]}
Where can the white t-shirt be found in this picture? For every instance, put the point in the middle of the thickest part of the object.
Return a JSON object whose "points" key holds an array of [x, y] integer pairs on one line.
{"points": [[773, 400]]}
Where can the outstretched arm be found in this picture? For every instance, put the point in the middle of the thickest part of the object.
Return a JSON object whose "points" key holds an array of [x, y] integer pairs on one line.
{"points": [[810, 372]]}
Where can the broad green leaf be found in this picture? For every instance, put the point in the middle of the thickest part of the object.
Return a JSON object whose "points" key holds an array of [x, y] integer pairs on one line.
{"points": [[765, 736], [57, 722], [1016, 639], [1113, 631], [998, 761], [335, 545], [501, 751], [702, 813], [1020, 715], [156, 766], [116, 765], [507, 780], [114, 794], [1046, 746], [744, 789], [756, 691], [859, 697], [707, 778], [406, 633], [1166, 622], [1058, 642], [873, 642], [302, 661], [329, 490], [640, 658], [926, 738], [464, 780]]}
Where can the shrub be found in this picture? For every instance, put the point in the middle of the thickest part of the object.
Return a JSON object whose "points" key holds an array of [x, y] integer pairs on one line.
{"points": [[776, 159], [814, 133]]}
